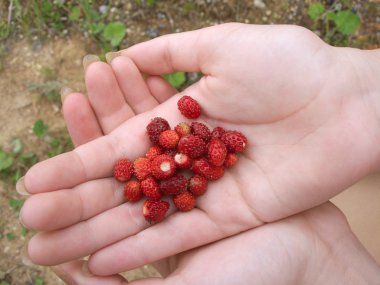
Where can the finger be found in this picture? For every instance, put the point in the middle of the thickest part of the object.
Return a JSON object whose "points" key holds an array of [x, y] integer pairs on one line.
{"points": [[77, 273], [160, 88], [45, 211], [80, 119], [189, 51], [96, 159], [105, 96], [132, 85]]}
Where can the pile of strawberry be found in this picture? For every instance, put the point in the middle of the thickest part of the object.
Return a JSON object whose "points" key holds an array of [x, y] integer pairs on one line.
{"points": [[180, 163]]}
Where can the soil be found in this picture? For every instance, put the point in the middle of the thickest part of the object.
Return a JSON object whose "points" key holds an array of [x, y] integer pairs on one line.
{"points": [[34, 61]]}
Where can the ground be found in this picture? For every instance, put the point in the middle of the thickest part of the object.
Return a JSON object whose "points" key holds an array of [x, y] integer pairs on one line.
{"points": [[34, 67]]}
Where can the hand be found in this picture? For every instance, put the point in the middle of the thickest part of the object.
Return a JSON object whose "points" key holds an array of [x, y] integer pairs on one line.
{"points": [[286, 245], [298, 125]]}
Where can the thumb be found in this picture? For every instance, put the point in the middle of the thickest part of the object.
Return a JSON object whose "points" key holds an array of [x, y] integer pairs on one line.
{"points": [[77, 273]]}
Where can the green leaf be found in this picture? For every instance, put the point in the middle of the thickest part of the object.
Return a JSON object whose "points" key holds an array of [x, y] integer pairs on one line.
{"points": [[24, 231], [115, 32], [16, 204], [3, 282], [17, 146], [6, 161], [39, 281], [74, 14], [39, 128], [97, 28], [176, 79], [315, 10], [151, 3], [347, 22], [10, 236]]}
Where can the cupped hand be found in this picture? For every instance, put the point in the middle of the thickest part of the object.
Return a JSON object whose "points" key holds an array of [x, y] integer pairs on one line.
{"points": [[310, 135]]}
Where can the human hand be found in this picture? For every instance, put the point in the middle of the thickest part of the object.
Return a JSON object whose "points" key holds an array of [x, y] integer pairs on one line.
{"points": [[294, 160]]}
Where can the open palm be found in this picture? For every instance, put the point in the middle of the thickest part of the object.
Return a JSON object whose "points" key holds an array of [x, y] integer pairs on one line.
{"points": [[272, 83]]}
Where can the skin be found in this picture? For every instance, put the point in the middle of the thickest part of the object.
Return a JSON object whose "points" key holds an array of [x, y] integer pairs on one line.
{"points": [[300, 126]]}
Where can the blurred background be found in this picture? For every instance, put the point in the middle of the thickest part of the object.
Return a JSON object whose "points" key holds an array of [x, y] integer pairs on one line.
{"points": [[42, 44]]}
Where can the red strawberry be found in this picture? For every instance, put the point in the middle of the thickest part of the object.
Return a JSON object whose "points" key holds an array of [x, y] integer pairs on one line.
{"points": [[217, 132], [156, 127], [217, 152], [132, 191], [174, 185], [189, 107], [141, 168], [198, 185], [183, 161], [153, 152], [235, 141], [155, 211], [163, 166], [200, 130], [123, 170], [170, 152], [184, 201], [193, 146], [183, 129], [202, 167], [151, 189], [230, 160], [168, 139]]}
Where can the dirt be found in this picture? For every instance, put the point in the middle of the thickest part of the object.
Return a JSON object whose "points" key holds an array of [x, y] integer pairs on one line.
{"points": [[36, 61]]}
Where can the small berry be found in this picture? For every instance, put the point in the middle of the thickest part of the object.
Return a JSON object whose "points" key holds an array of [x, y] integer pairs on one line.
{"points": [[155, 211], [183, 129], [150, 188], [230, 160], [189, 107], [141, 168], [163, 166], [174, 185], [153, 152], [202, 167], [184, 201], [193, 146], [168, 139], [198, 185], [183, 161], [132, 191], [217, 132], [156, 127], [170, 152], [200, 130], [217, 152], [235, 141], [123, 170]]}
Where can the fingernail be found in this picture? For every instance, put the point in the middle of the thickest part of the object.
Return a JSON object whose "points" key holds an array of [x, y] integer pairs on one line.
{"points": [[111, 55], [60, 273], [20, 220], [88, 59], [20, 187], [25, 256], [86, 270], [64, 92]]}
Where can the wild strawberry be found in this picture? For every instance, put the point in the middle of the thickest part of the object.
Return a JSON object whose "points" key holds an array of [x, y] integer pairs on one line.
{"points": [[153, 152], [168, 139], [184, 201], [174, 185], [155, 211], [200, 130], [189, 107], [183, 129], [217, 152], [198, 185], [170, 152], [193, 146], [141, 168], [123, 170], [163, 166], [132, 191], [217, 132], [230, 160], [235, 141], [156, 127], [150, 188], [183, 161], [202, 167]]}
